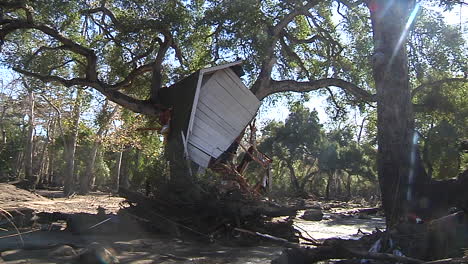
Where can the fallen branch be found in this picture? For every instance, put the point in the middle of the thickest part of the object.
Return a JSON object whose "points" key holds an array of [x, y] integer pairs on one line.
{"points": [[269, 237], [384, 256], [338, 249], [448, 261]]}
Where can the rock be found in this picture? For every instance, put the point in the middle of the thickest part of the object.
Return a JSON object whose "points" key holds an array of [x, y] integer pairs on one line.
{"points": [[64, 251], [97, 254], [313, 215]]}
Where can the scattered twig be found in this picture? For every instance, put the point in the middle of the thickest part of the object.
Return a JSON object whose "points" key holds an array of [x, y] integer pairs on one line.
{"points": [[267, 236], [310, 239], [20, 234], [8, 216]]}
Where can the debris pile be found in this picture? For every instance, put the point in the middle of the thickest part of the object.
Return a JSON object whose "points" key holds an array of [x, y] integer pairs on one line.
{"points": [[212, 218]]}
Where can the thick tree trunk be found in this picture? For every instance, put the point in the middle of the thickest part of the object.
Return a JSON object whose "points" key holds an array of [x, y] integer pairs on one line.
{"points": [[179, 98], [71, 146], [395, 122], [124, 180], [292, 176], [85, 179], [28, 151]]}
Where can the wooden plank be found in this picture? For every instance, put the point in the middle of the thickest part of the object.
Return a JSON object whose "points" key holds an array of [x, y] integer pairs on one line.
{"points": [[233, 92], [194, 105], [246, 101], [215, 117], [198, 156], [215, 139], [197, 91], [206, 78], [231, 74], [209, 121], [205, 146], [222, 100], [220, 67], [200, 143], [228, 74], [230, 111], [234, 85]]}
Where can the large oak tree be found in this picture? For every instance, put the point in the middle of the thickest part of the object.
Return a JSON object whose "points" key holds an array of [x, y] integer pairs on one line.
{"points": [[129, 49]]}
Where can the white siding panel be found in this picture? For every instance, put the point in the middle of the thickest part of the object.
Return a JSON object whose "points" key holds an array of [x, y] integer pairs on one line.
{"points": [[214, 138], [224, 108], [226, 94], [216, 118], [249, 100], [205, 146], [198, 156], [241, 94], [208, 121]]}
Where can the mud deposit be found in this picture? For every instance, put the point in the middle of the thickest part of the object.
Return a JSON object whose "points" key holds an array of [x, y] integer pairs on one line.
{"points": [[39, 245]]}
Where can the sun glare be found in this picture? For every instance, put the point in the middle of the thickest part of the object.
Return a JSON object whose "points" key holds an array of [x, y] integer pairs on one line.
{"points": [[404, 33]]}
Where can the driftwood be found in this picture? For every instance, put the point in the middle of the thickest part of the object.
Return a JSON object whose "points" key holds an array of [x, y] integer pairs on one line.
{"points": [[367, 211], [337, 249], [210, 216], [440, 238], [449, 261], [282, 241]]}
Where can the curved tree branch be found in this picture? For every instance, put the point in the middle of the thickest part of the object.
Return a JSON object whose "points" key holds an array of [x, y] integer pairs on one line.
{"points": [[139, 106], [424, 86], [91, 75], [264, 77], [295, 86]]}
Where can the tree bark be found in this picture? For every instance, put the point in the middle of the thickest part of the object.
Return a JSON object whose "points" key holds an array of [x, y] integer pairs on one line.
{"points": [[51, 159], [44, 155], [28, 151], [395, 121], [329, 182], [181, 183], [124, 180], [71, 146], [85, 180], [292, 176]]}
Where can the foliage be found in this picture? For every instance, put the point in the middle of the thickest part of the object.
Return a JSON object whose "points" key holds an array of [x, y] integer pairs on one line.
{"points": [[301, 149]]}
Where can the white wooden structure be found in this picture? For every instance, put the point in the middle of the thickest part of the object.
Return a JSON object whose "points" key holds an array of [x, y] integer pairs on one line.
{"points": [[222, 107]]}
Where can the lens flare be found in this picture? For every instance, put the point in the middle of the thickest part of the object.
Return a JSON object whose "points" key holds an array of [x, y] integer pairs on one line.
{"points": [[411, 19], [414, 145]]}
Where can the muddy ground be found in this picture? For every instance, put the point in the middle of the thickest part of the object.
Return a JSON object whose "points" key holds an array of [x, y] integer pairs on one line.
{"points": [[37, 244]]}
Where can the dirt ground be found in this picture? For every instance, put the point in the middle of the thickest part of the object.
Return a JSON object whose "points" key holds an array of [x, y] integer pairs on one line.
{"points": [[54, 201], [36, 246]]}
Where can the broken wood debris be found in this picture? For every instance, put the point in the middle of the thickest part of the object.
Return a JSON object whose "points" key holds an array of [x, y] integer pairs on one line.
{"points": [[210, 218]]}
